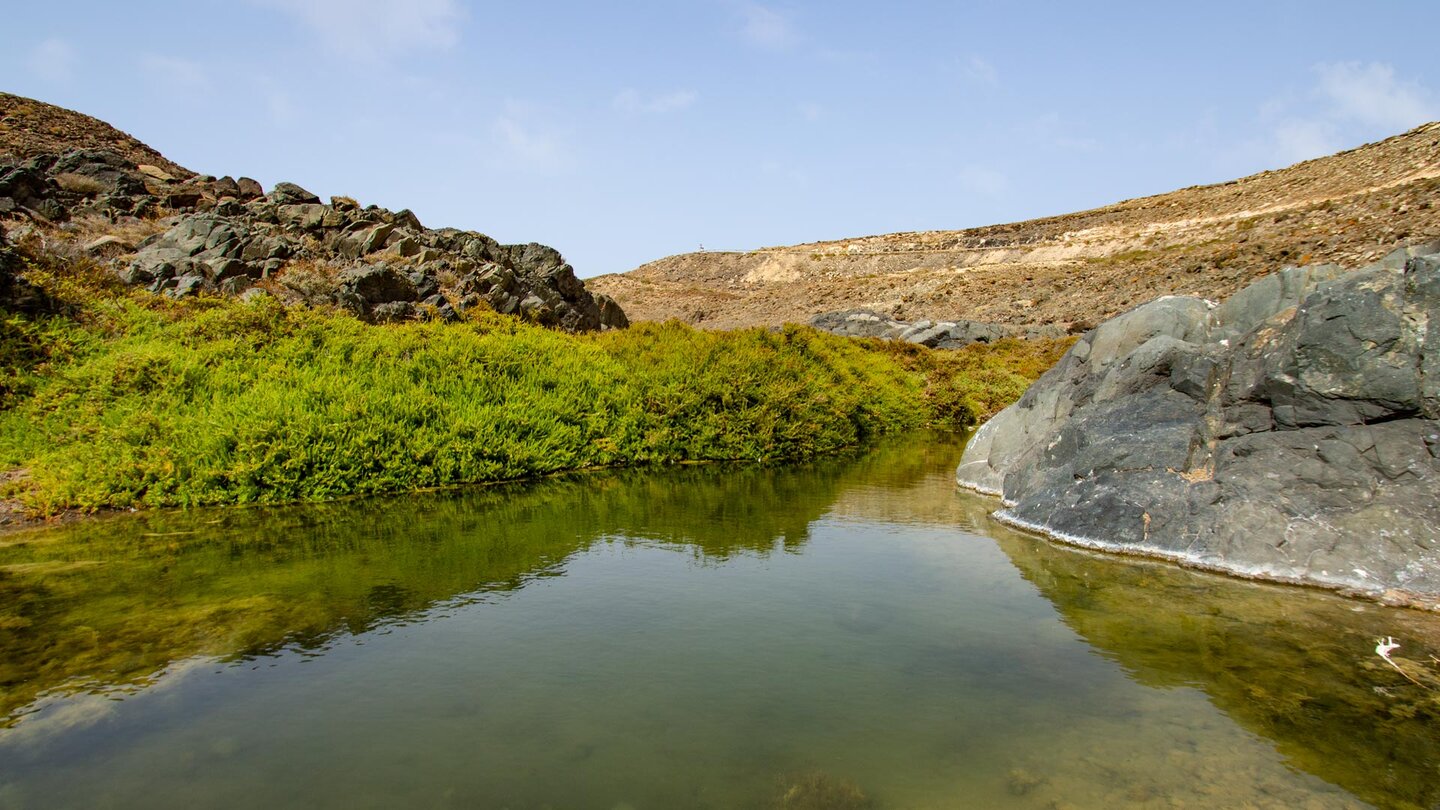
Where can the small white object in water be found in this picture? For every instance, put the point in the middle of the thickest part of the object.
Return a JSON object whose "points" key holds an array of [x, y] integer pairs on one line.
{"points": [[1385, 646]]}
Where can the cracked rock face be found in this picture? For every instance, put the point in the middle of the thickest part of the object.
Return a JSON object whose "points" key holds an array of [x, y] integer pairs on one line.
{"points": [[1291, 433]]}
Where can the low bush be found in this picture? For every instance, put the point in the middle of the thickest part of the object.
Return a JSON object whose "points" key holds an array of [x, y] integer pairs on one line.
{"points": [[134, 400], [80, 184]]}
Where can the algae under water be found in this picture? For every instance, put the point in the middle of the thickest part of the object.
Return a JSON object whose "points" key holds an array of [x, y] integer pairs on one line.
{"points": [[850, 632]]}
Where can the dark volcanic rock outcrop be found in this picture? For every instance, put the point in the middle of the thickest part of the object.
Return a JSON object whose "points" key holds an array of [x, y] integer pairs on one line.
{"points": [[226, 235], [17, 295], [1291, 433], [934, 334]]}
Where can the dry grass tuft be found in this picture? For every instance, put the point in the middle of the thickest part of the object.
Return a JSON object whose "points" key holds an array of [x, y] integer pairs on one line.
{"points": [[80, 184], [130, 230], [307, 279]]}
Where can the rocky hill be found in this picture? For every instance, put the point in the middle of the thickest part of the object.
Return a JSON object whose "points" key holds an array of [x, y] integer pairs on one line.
{"points": [[29, 128], [82, 189], [1077, 269]]}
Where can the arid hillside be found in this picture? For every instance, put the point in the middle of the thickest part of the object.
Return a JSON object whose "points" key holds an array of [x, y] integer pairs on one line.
{"points": [[1076, 269]]}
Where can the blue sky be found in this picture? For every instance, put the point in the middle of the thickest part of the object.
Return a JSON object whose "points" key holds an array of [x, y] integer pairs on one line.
{"points": [[621, 132]]}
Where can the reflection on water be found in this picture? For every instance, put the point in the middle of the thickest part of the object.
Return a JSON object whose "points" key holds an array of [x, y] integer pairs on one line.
{"points": [[1295, 666], [103, 604], [825, 635]]}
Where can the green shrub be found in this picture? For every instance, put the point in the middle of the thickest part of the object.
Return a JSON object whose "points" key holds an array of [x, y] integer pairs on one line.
{"points": [[133, 400]]}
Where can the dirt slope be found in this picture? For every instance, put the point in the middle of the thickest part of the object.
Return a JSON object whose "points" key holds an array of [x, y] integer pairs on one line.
{"points": [[29, 127], [1348, 208]]}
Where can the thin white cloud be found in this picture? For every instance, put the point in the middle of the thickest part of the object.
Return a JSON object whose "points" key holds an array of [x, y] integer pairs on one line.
{"points": [[631, 101], [983, 180], [1054, 132], [977, 71], [1298, 139], [521, 144], [1370, 94], [174, 75], [53, 60], [281, 108], [1350, 102], [765, 27], [773, 169], [372, 30]]}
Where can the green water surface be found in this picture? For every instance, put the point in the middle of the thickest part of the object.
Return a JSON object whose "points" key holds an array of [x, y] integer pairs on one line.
{"points": [[847, 633]]}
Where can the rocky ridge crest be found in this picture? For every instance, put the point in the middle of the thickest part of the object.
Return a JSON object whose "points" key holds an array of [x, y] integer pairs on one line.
{"points": [[179, 234]]}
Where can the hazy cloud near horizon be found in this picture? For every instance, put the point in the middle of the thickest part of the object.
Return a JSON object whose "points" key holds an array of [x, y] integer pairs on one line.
{"points": [[1347, 96], [526, 143], [1370, 93], [52, 60], [181, 77]]}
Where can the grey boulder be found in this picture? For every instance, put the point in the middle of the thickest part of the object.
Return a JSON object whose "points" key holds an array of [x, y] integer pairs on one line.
{"points": [[375, 291], [1288, 434], [934, 334], [203, 245], [107, 169], [286, 194], [227, 234]]}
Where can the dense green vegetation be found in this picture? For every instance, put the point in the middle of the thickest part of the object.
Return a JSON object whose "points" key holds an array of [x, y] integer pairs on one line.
{"points": [[127, 399]]}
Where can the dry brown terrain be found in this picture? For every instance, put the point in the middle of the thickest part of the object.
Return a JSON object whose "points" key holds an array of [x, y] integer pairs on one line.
{"points": [[29, 127], [1348, 208]]}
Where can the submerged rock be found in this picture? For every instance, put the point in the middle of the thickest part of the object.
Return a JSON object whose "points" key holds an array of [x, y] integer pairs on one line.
{"points": [[818, 790], [934, 334], [1291, 433]]}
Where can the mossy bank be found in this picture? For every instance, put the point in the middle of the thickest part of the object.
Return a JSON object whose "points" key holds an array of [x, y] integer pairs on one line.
{"points": [[116, 398]]}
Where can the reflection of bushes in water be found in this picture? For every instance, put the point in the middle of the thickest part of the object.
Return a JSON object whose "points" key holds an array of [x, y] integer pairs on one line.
{"points": [[1293, 665], [817, 790], [908, 480], [909, 459], [156, 592], [118, 599], [723, 510]]}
